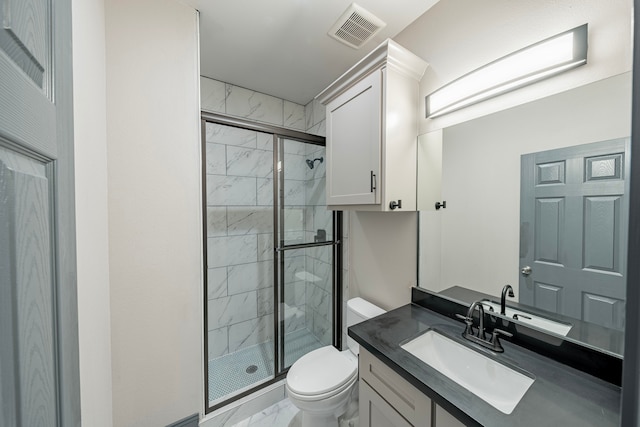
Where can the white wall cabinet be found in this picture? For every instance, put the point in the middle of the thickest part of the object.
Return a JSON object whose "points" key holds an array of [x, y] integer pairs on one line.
{"points": [[372, 124], [353, 155], [388, 400]]}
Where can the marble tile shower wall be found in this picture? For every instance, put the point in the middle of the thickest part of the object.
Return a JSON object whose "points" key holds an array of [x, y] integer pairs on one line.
{"points": [[240, 217], [315, 124], [318, 292], [225, 98], [240, 220], [239, 240], [296, 263], [314, 114], [239, 186]]}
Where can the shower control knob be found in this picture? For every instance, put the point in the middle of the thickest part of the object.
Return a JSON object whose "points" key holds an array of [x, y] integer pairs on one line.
{"points": [[394, 205]]}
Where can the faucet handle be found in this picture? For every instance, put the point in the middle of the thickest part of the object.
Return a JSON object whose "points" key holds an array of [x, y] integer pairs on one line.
{"points": [[518, 316], [468, 321], [462, 317], [495, 341], [497, 332]]}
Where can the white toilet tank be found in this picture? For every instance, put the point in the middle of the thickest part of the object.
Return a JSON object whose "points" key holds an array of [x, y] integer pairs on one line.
{"points": [[359, 310]]}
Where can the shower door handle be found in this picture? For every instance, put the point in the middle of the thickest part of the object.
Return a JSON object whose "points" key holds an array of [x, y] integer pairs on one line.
{"points": [[373, 181]]}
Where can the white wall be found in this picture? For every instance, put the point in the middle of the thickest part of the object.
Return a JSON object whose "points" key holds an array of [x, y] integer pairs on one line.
{"points": [[383, 257], [89, 99], [154, 211], [458, 36]]}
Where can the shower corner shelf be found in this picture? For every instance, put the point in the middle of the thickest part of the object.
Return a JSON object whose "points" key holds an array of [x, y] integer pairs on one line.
{"points": [[372, 123]]}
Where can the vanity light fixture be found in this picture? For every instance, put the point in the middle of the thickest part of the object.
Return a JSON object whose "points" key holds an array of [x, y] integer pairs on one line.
{"points": [[538, 61]]}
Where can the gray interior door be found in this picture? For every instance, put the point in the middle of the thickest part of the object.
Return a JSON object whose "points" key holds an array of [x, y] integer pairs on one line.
{"points": [[39, 379], [573, 231]]}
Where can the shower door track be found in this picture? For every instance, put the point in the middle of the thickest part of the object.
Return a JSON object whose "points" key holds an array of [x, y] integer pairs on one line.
{"points": [[279, 134], [261, 127]]}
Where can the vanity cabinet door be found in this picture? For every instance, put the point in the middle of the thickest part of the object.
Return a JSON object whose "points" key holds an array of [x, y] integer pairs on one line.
{"points": [[354, 138], [377, 412], [409, 402], [445, 419]]}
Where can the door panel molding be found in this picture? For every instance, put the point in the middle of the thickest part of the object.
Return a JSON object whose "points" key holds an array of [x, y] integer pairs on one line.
{"points": [[25, 37], [573, 228], [30, 293]]}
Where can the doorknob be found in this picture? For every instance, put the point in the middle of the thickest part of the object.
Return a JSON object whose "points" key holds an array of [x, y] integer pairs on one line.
{"points": [[526, 270]]}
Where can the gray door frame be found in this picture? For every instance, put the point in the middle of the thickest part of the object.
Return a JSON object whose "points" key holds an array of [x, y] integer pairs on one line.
{"points": [[630, 406], [66, 271]]}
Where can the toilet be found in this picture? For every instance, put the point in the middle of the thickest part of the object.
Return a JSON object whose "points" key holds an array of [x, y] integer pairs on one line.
{"points": [[320, 382]]}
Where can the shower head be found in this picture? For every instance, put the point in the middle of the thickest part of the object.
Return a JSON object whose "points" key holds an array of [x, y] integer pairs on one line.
{"points": [[311, 163]]}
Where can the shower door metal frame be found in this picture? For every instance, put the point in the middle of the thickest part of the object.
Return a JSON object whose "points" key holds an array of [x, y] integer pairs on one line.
{"points": [[282, 247], [278, 341]]}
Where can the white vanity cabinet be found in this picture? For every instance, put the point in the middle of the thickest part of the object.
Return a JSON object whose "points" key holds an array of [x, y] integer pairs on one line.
{"points": [[372, 125], [388, 400]]}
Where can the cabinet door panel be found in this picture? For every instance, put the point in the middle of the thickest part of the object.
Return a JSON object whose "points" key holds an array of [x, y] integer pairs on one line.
{"points": [[407, 400], [376, 412], [445, 419], [354, 132]]}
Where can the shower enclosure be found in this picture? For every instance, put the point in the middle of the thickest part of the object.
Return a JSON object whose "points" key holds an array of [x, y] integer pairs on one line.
{"points": [[272, 251]]}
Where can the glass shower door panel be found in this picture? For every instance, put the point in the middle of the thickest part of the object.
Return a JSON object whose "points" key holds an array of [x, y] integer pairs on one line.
{"points": [[240, 262], [306, 308], [305, 215], [306, 242]]}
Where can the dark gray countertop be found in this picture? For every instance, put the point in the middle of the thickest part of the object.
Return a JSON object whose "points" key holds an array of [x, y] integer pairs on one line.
{"points": [[560, 395]]}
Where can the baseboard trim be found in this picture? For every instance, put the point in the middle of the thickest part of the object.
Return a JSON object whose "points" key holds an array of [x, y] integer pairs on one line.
{"points": [[190, 421]]}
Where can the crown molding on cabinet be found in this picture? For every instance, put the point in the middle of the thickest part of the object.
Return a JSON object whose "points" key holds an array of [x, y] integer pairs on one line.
{"points": [[388, 53]]}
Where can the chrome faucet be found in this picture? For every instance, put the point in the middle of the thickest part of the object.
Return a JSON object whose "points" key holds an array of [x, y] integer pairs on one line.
{"points": [[503, 299], [480, 337]]}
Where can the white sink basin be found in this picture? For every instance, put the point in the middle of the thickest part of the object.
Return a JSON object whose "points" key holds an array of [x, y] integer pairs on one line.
{"points": [[493, 382], [535, 321]]}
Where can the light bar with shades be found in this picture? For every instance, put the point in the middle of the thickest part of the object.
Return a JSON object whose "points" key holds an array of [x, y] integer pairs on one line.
{"points": [[531, 64]]}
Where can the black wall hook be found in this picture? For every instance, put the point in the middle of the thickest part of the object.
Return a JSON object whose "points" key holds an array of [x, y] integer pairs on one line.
{"points": [[394, 205], [442, 205]]}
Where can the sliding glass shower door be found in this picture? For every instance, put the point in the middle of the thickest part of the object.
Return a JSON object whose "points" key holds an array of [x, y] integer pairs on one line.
{"points": [[305, 251], [269, 247], [239, 275]]}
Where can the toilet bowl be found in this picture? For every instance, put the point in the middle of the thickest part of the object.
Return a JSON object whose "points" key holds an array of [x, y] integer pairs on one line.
{"points": [[321, 382]]}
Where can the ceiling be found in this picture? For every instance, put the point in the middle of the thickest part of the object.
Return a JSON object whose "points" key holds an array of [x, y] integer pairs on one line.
{"points": [[281, 47]]}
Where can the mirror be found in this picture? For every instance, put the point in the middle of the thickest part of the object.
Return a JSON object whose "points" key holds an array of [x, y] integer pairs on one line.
{"points": [[475, 166]]}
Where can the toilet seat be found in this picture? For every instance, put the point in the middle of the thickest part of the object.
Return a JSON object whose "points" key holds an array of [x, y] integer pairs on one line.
{"points": [[321, 373], [325, 396]]}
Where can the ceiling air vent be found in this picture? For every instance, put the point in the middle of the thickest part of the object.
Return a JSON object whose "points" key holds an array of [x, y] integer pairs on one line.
{"points": [[356, 26]]}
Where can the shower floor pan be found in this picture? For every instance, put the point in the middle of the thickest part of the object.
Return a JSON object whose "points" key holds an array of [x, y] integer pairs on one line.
{"points": [[235, 372]]}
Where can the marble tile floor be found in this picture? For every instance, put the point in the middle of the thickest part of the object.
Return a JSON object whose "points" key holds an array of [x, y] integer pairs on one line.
{"points": [[238, 371], [285, 414], [281, 414]]}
